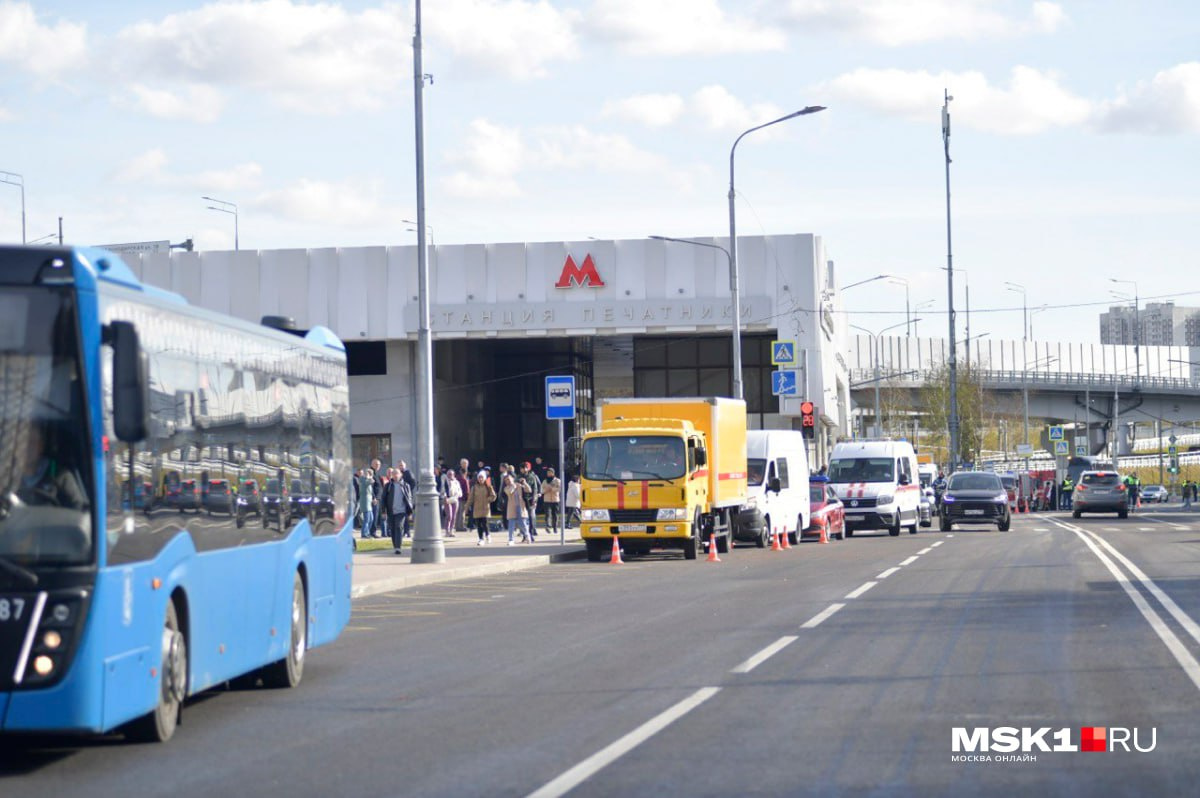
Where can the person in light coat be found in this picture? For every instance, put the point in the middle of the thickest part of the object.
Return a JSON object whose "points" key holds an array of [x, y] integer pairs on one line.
{"points": [[516, 511], [479, 506], [573, 501]]}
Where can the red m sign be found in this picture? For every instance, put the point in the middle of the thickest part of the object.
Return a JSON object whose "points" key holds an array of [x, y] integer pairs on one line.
{"points": [[579, 275]]}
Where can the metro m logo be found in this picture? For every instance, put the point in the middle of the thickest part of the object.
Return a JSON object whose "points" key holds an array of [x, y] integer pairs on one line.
{"points": [[585, 275]]}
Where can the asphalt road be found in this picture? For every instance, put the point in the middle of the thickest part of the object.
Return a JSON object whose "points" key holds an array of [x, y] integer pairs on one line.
{"points": [[665, 677]]}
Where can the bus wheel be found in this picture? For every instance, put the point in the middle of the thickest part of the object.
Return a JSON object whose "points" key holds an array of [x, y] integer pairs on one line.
{"points": [[159, 725], [287, 671]]}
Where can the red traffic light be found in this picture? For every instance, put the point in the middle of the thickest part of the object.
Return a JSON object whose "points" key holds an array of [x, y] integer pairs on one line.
{"points": [[806, 408]]}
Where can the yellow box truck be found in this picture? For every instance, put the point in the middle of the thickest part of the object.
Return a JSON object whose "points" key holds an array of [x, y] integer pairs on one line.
{"points": [[663, 473]]}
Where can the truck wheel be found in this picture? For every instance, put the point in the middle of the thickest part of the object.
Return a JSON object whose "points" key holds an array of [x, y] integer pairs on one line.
{"points": [[692, 547], [595, 551]]}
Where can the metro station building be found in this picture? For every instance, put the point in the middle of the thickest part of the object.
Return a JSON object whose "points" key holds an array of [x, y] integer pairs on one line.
{"points": [[626, 317]]}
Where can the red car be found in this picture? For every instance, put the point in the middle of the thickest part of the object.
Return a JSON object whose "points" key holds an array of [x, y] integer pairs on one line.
{"points": [[827, 509]]}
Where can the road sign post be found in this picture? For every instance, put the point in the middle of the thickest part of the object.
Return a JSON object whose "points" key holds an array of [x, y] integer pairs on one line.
{"points": [[560, 407]]}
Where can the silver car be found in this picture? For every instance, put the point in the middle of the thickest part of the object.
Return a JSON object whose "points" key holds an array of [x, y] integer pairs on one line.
{"points": [[1100, 492]]}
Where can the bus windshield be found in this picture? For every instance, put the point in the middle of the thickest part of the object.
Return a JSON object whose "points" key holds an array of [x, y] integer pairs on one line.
{"points": [[637, 457], [45, 481]]}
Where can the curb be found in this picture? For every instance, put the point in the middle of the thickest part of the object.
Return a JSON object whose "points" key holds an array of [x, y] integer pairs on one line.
{"points": [[463, 572]]}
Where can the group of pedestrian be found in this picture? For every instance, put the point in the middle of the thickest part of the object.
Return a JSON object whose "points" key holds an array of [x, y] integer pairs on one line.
{"points": [[507, 499], [384, 503], [1188, 492]]}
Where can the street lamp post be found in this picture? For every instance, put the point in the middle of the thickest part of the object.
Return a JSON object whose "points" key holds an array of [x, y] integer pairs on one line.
{"points": [[875, 357], [733, 261], [226, 207], [428, 228], [14, 179], [428, 544], [1033, 313], [1137, 329], [907, 311], [928, 303], [1024, 354]]}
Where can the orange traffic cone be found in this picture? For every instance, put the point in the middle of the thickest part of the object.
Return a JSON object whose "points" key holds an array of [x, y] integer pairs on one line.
{"points": [[824, 532], [712, 548], [783, 539], [616, 553], [775, 542]]}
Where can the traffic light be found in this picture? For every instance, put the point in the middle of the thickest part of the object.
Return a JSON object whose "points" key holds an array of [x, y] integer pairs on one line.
{"points": [[808, 419]]}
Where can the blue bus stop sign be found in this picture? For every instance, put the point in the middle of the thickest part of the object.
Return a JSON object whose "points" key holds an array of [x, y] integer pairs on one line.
{"points": [[560, 398]]}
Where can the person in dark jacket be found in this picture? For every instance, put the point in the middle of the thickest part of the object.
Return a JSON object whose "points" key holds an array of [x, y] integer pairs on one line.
{"points": [[398, 499]]}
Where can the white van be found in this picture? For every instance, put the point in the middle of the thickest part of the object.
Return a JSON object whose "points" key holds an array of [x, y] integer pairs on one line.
{"points": [[777, 487], [878, 484]]}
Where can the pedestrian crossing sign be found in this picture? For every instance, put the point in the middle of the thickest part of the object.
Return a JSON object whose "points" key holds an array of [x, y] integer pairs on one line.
{"points": [[1056, 434], [1060, 447], [783, 353], [1081, 450]]}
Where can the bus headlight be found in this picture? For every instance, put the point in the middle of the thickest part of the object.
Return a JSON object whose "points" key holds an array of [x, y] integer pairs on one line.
{"points": [[43, 665], [52, 639], [594, 515], [672, 514]]}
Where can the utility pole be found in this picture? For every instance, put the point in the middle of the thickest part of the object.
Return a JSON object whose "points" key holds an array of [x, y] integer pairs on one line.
{"points": [[950, 292]]}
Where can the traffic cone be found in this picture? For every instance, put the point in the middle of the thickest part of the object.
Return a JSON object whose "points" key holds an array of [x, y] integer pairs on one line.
{"points": [[712, 548], [824, 532], [783, 540], [616, 553], [775, 542]]}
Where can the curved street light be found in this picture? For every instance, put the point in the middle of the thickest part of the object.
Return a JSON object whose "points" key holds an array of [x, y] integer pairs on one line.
{"points": [[875, 366], [226, 207], [14, 179], [733, 262]]}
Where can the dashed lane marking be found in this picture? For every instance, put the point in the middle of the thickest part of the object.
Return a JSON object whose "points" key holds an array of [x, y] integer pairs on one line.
{"points": [[909, 561], [935, 545], [765, 654], [824, 614], [925, 550], [887, 573], [853, 594], [572, 778]]}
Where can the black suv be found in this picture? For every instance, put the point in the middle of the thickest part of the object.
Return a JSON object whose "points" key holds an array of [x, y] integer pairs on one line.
{"points": [[974, 497], [276, 504]]}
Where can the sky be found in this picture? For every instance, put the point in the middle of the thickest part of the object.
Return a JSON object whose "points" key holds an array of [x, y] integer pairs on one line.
{"points": [[1074, 133]]}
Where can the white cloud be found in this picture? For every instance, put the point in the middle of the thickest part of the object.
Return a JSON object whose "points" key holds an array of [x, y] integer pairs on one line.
{"points": [[151, 168], [1168, 103], [195, 103], [6, 115], [679, 27], [1033, 101], [576, 147], [345, 203], [44, 50], [487, 163], [721, 110], [914, 21], [509, 38], [317, 58], [651, 110]]}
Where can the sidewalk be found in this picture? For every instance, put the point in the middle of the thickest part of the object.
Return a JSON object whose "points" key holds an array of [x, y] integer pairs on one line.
{"points": [[383, 571]]}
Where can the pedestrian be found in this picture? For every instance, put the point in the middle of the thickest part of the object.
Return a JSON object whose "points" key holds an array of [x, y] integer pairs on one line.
{"points": [[572, 501], [453, 494], [1067, 488], [378, 483], [362, 490], [479, 506], [1186, 492], [464, 483], [517, 509], [531, 480], [397, 497], [551, 488]]}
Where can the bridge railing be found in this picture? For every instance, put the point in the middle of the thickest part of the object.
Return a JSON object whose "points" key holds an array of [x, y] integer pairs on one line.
{"points": [[865, 378]]}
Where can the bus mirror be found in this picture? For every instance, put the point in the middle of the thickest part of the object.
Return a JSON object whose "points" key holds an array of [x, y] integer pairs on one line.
{"points": [[131, 390], [701, 457]]}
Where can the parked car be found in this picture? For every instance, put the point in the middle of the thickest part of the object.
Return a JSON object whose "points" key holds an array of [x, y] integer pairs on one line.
{"points": [[877, 482], [1155, 493], [1100, 492], [776, 485], [219, 497], [249, 502], [827, 511], [975, 497]]}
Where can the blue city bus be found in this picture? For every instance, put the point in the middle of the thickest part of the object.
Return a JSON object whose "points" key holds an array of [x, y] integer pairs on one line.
{"points": [[137, 563]]}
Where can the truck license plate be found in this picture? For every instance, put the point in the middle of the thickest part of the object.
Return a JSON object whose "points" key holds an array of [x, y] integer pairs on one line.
{"points": [[631, 528]]}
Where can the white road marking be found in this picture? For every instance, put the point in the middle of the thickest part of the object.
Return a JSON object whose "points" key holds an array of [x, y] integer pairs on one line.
{"points": [[1041, 529], [940, 542], [1186, 661], [1145, 529], [887, 573], [569, 780], [909, 561], [765, 654], [925, 550], [949, 536], [1112, 529], [853, 594], [821, 616]]}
